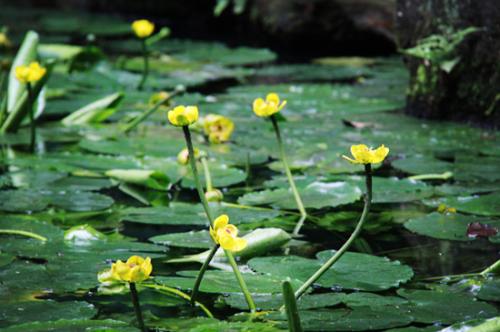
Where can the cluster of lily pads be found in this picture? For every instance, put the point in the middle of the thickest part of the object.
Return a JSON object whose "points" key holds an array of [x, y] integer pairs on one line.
{"points": [[104, 168]]}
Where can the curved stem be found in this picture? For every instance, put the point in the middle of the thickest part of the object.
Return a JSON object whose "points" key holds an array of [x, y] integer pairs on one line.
{"points": [[137, 306], [347, 244], [23, 233], [201, 193], [180, 294], [145, 71], [134, 123], [196, 177], [32, 117], [203, 268], [493, 268], [241, 282], [206, 171], [298, 199]]}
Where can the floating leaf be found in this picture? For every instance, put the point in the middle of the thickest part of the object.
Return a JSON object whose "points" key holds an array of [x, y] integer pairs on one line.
{"points": [[352, 271]]}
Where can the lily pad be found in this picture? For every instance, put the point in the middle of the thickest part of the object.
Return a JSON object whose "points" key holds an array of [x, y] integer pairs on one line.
{"points": [[199, 240], [444, 307], [315, 195], [449, 226], [483, 205], [352, 271], [224, 282], [41, 311]]}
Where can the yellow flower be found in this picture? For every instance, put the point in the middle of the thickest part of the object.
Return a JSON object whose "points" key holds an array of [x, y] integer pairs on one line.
{"points": [[218, 128], [183, 115], [226, 234], [268, 107], [365, 155], [158, 97], [4, 40], [135, 269], [31, 73], [442, 208], [143, 28], [183, 156], [214, 195]]}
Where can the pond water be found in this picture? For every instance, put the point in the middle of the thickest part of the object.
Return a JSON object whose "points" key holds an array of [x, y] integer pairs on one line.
{"points": [[84, 192]]}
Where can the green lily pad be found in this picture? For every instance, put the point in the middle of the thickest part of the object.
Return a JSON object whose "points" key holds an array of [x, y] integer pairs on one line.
{"points": [[199, 240], [490, 290], [37, 200], [224, 282], [316, 301], [352, 271], [358, 319], [76, 325], [315, 195], [189, 214], [444, 307], [449, 226], [483, 205], [41, 311]]}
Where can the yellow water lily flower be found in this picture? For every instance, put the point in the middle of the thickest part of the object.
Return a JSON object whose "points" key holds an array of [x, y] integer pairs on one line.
{"points": [[443, 208], [183, 115], [158, 97], [183, 156], [268, 107], [226, 234], [31, 73], [4, 40], [143, 28], [214, 195], [365, 155], [218, 128], [135, 269]]}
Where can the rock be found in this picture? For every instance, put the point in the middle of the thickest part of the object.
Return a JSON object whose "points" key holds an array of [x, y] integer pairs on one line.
{"points": [[453, 54]]}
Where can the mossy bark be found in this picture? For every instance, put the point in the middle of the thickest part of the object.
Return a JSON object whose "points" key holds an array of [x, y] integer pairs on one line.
{"points": [[471, 90]]}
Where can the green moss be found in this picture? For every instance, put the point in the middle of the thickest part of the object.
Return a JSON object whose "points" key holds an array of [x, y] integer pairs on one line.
{"points": [[425, 82]]}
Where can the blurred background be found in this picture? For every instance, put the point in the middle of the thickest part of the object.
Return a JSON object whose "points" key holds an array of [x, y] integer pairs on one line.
{"points": [[460, 68]]}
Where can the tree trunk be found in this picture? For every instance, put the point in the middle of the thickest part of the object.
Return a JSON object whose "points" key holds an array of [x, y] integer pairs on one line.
{"points": [[460, 79]]}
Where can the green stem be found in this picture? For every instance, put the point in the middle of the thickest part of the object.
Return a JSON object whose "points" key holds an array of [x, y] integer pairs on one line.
{"points": [[493, 268], [32, 117], [181, 294], [298, 199], [192, 162], [347, 244], [134, 123], [432, 176], [292, 312], [145, 71], [137, 306], [203, 269], [241, 282], [201, 193], [206, 171], [23, 233]]}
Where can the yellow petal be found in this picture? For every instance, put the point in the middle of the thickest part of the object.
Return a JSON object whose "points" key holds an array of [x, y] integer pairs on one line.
{"points": [[221, 222], [239, 244], [350, 159], [259, 106], [283, 104], [273, 98], [147, 267], [191, 114], [135, 260], [143, 28], [379, 154], [213, 234], [228, 242], [231, 229]]}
